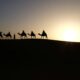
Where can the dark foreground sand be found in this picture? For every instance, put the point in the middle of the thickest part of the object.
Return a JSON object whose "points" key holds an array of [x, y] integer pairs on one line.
{"points": [[36, 59]]}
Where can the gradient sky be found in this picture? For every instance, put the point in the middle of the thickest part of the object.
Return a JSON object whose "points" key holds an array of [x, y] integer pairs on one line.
{"points": [[51, 15]]}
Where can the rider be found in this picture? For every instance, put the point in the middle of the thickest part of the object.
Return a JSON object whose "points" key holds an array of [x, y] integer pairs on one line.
{"points": [[43, 32]]}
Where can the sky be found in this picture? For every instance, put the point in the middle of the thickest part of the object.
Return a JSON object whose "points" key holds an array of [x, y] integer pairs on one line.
{"points": [[57, 17]]}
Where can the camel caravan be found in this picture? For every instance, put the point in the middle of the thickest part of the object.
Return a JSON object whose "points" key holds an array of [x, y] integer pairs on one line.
{"points": [[23, 35]]}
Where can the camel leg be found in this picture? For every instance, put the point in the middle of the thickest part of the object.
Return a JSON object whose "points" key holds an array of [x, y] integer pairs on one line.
{"points": [[10, 38], [25, 37], [20, 37], [46, 37], [41, 37]]}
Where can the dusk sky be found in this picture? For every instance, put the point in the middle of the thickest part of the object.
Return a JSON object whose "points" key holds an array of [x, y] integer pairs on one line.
{"points": [[57, 17]]}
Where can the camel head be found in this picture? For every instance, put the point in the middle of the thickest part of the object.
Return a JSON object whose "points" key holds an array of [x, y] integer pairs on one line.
{"points": [[28, 34], [39, 34], [4, 34], [18, 33]]}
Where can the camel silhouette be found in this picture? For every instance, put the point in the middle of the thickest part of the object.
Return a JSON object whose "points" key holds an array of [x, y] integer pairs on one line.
{"points": [[8, 35], [1, 36], [33, 35], [23, 34], [43, 35]]}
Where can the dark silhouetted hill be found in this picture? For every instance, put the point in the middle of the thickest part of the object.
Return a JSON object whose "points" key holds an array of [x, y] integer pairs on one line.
{"points": [[39, 59]]}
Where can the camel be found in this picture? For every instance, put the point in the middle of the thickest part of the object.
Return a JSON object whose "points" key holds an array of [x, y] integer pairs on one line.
{"points": [[44, 34], [33, 35], [1, 36], [23, 34], [8, 35]]}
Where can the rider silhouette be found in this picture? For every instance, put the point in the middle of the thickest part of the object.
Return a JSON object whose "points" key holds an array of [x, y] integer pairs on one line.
{"points": [[43, 32], [9, 33], [32, 33], [23, 32]]}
